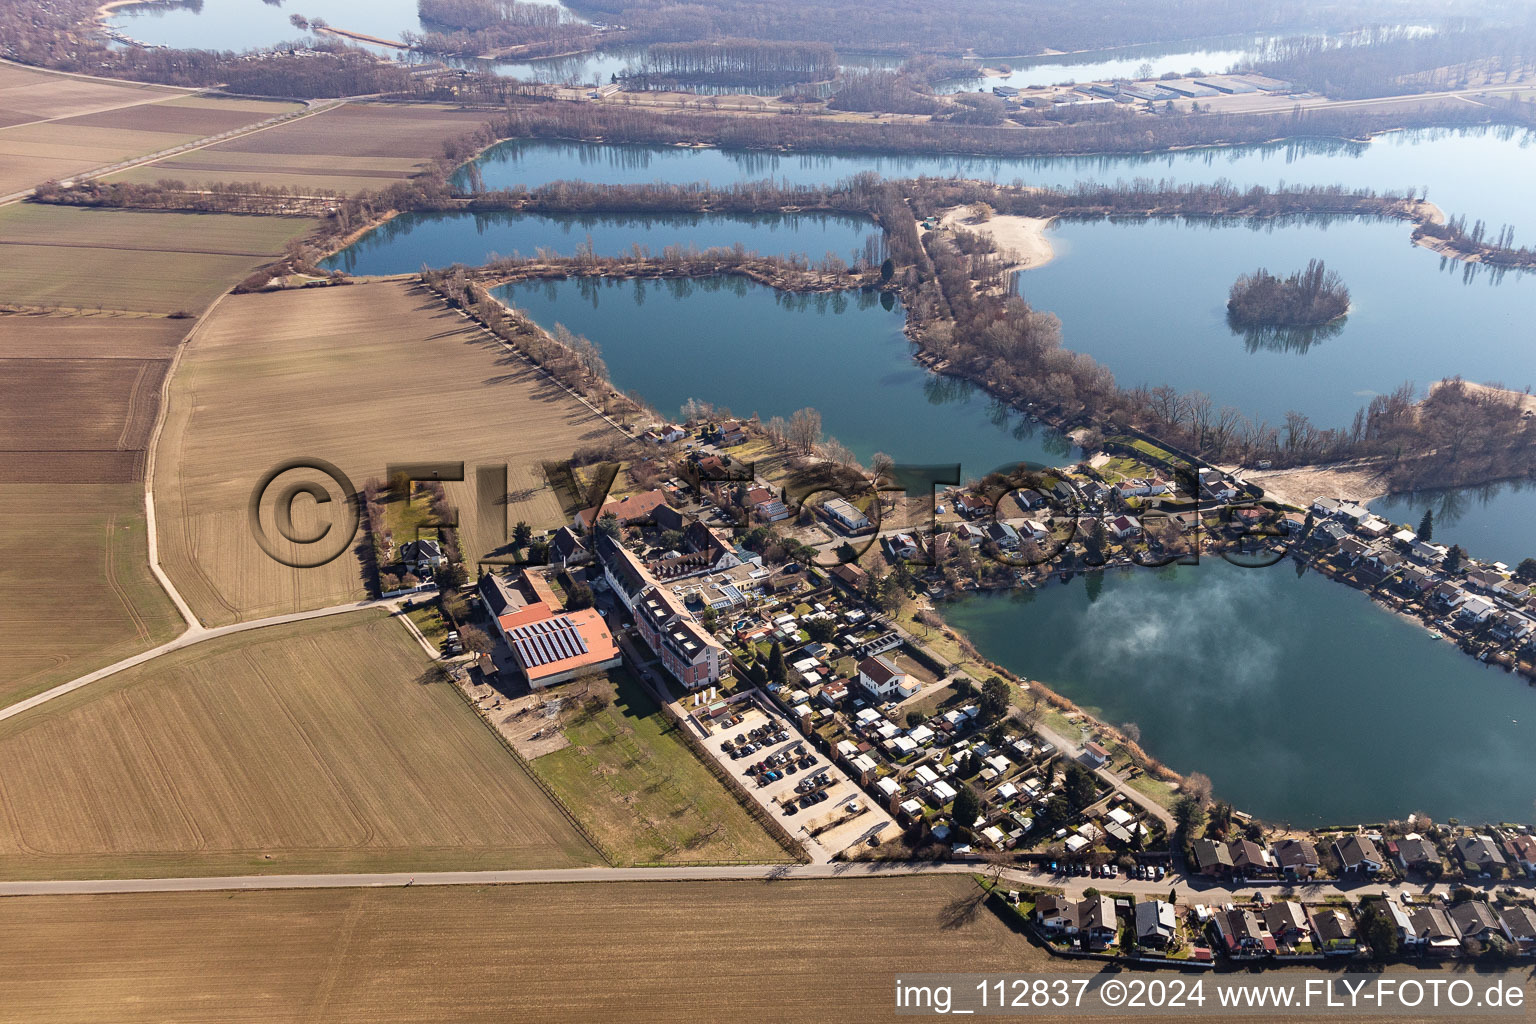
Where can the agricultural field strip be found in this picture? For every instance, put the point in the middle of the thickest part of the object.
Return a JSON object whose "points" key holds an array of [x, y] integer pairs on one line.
{"points": [[157, 773], [258, 254], [530, 876], [194, 635]]}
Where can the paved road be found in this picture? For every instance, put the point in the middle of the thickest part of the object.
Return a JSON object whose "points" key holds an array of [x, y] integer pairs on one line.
{"points": [[1188, 891], [532, 877]]}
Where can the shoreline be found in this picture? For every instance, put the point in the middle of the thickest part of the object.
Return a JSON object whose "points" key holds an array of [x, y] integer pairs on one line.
{"points": [[1022, 241]]}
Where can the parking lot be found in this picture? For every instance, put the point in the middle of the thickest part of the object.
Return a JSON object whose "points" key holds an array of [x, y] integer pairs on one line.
{"points": [[809, 793]]}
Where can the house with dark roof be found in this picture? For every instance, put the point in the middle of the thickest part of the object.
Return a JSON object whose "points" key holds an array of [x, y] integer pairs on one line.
{"points": [[1287, 921], [1520, 925], [1479, 855], [1335, 928], [1214, 860], [1474, 919], [1431, 931], [421, 556], [1359, 854], [1056, 914], [566, 549], [1297, 858], [1416, 854], [881, 677], [1156, 924], [1242, 933], [1250, 859]]}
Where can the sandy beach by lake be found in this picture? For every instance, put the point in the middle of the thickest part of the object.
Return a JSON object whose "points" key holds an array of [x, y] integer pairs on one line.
{"points": [[1021, 240]]}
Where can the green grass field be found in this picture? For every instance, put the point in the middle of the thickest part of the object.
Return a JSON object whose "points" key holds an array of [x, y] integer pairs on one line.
{"points": [[631, 780], [310, 747]]}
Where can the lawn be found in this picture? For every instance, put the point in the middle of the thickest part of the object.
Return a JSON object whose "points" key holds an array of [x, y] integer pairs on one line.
{"points": [[362, 377], [301, 748], [630, 779]]}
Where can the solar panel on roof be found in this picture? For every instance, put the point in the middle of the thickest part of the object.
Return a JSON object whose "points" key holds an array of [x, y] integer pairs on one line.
{"points": [[550, 640]]}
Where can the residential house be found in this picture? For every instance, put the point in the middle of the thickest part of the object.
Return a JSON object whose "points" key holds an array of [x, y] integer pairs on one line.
{"points": [[1096, 754], [833, 693], [1359, 854], [421, 556], [1328, 535], [1297, 858], [1433, 932], [1510, 625], [1485, 581], [665, 433], [1335, 930], [567, 549], [1416, 854], [846, 515], [1003, 535], [903, 546], [637, 508], [1157, 925], [1448, 596], [884, 680], [1425, 553], [1474, 919], [969, 534], [1475, 611], [1520, 925], [1287, 922], [1096, 922], [1250, 859], [1243, 934], [1479, 855], [1124, 526], [1521, 849], [1212, 859], [731, 433], [1352, 549], [851, 576], [1056, 914], [972, 505]]}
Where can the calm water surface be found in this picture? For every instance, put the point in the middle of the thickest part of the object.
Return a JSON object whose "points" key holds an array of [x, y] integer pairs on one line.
{"points": [[1302, 700], [1495, 521], [752, 349], [1147, 298], [1482, 173], [402, 245]]}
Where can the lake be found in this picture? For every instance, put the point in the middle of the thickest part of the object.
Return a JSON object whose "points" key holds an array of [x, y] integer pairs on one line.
{"points": [[403, 244], [1302, 700], [1208, 56], [254, 24], [1147, 298], [1493, 521], [1480, 172], [750, 348]]}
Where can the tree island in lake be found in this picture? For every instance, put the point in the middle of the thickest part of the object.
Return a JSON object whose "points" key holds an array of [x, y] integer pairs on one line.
{"points": [[1308, 298]]}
